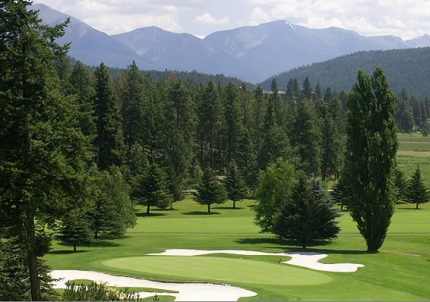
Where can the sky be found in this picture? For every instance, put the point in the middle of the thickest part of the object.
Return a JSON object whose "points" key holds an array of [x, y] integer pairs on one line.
{"points": [[407, 19]]}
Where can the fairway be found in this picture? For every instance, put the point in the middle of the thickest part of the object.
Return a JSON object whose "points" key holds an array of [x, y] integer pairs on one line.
{"points": [[221, 269]]}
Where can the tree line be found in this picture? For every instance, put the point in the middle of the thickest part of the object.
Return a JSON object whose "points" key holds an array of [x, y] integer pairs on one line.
{"points": [[80, 148]]}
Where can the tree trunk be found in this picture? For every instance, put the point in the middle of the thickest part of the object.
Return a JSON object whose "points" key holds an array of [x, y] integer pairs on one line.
{"points": [[234, 204], [33, 268], [74, 247], [209, 207], [147, 209]]}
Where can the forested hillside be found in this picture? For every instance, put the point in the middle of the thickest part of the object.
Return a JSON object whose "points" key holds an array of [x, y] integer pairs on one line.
{"points": [[407, 69]]}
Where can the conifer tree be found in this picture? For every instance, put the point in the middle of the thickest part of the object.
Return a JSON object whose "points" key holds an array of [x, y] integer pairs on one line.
{"points": [[416, 192], [209, 191], [308, 216], [42, 152], [109, 139], [235, 185], [150, 189]]}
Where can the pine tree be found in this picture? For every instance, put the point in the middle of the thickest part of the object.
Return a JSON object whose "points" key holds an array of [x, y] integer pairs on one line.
{"points": [[132, 107], [109, 139], [305, 139], [150, 189], [416, 192], [308, 216], [75, 229], [368, 172], [235, 185], [42, 152], [209, 191]]}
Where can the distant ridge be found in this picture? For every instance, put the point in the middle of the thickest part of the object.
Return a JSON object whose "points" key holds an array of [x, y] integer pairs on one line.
{"points": [[404, 68], [251, 53]]}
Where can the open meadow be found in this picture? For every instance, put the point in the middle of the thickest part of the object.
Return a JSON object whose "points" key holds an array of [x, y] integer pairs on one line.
{"points": [[400, 271]]}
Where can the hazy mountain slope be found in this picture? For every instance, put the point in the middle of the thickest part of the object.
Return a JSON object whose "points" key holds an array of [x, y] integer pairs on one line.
{"points": [[405, 69], [251, 53], [89, 45]]}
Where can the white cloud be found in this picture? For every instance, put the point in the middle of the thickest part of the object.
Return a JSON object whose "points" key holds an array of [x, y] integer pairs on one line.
{"points": [[404, 18], [207, 18]]}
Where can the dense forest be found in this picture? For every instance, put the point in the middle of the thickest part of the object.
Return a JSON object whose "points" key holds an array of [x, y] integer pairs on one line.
{"points": [[405, 69], [80, 146]]}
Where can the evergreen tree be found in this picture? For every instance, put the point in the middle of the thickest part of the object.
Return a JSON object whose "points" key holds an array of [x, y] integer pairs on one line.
{"points": [[109, 141], [42, 151], [178, 133], [113, 211], [81, 86], [210, 117], [235, 185], [307, 89], [305, 139], [209, 191], [150, 189], [369, 168], [308, 216], [416, 192], [75, 229], [233, 117], [246, 159], [401, 185], [275, 145], [274, 189], [132, 107]]}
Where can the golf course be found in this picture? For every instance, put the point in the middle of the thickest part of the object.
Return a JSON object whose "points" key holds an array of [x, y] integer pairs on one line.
{"points": [[398, 272]]}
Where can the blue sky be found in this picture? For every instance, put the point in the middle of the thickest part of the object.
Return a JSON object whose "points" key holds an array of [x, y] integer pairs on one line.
{"points": [[404, 18]]}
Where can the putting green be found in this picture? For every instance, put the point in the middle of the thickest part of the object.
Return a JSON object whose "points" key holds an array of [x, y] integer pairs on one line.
{"points": [[220, 269]]}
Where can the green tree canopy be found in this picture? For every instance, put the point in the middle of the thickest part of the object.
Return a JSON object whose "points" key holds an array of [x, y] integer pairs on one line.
{"points": [[309, 215], [369, 168], [235, 185], [416, 192], [274, 189], [209, 191]]}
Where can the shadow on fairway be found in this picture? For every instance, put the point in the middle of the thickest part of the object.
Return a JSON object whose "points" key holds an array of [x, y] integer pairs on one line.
{"points": [[229, 208], [294, 246], [66, 252], [201, 213], [150, 214]]}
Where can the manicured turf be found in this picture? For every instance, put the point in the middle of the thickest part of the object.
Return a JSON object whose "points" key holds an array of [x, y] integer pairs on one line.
{"points": [[400, 271], [220, 269]]}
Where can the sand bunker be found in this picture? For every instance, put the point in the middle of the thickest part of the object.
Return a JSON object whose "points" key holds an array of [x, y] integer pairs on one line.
{"points": [[202, 291], [304, 259], [187, 291]]}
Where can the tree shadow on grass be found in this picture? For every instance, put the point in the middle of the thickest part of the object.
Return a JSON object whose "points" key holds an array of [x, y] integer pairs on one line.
{"points": [[71, 252], [228, 208], [292, 246], [150, 214], [201, 213]]}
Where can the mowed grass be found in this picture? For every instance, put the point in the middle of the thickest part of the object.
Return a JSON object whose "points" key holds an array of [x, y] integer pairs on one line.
{"points": [[220, 269], [414, 149], [398, 272]]}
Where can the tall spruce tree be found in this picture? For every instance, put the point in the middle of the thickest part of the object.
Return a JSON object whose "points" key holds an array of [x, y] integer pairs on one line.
{"points": [[42, 152], [369, 168], [416, 192], [235, 185], [109, 140]]}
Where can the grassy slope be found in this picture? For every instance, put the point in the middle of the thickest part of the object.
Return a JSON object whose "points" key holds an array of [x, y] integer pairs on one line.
{"points": [[399, 271]]}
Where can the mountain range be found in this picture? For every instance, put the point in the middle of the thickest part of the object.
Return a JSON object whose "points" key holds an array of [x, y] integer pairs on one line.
{"points": [[250, 53]]}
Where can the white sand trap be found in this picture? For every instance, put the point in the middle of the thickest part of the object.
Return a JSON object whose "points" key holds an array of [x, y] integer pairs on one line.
{"points": [[187, 291], [304, 259]]}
